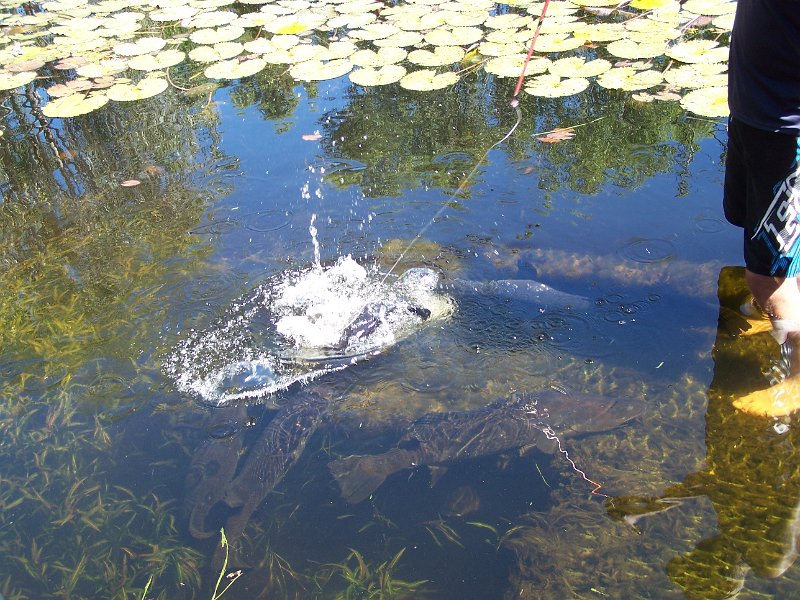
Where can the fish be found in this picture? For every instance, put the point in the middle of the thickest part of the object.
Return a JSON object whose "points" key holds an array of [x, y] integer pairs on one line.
{"points": [[272, 455], [522, 421]]}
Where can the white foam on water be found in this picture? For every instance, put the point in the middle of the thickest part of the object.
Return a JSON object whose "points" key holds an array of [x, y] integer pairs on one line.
{"points": [[302, 324]]}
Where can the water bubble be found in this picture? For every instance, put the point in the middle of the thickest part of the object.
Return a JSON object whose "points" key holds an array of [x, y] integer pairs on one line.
{"points": [[644, 250]]}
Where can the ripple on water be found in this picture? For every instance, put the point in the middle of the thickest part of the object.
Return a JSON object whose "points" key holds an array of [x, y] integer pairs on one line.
{"points": [[266, 220], [648, 250], [573, 333]]}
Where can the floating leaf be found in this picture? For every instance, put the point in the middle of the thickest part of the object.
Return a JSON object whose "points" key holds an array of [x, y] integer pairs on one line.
{"points": [[12, 81], [129, 92], [173, 13], [140, 46], [217, 52], [698, 51], [441, 56], [557, 135], [401, 39], [211, 36], [317, 70], [212, 19], [511, 65], [157, 62], [697, 75], [427, 79], [74, 105], [634, 50], [235, 69], [557, 43], [453, 36], [709, 7], [552, 86], [578, 66], [294, 24], [369, 76], [708, 102], [628, 78], [384, 56], [109, 66]]}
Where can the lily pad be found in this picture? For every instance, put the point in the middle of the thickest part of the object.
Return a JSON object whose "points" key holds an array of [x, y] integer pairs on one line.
{"points": [[217, 52], [157, 62], [235, 69], [628, 78], [211, 36], [454, 36], [698, 51], [384, 56], [9, 81], [129, 92], [74, 105], [511, 65], [317, 70], [368, 76], [441, 56], [553, 86], [708, 102], [427, 79], [578, 66], [632, 50], [140, 46], [557, 43]]}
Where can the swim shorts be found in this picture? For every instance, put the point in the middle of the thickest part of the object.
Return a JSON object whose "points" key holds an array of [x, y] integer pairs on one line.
{"points": [[762, 195]]}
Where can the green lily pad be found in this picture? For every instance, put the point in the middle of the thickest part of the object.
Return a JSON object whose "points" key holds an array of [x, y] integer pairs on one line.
{"points": [[427, 79], [74, 105], [401, 39], [628, 78], [368, 76], [557, 43], [511, 65], [632, 50], [211, 36], [108, 66], [140, 46], [441, 56], [157, 62], [708, 102], [384, 56], [212, 19], [235, 69], [553, 86], [317, 70], [698, 51], [217, 52], [454, 36], [130, 92], [578, 66], [10, 81]]}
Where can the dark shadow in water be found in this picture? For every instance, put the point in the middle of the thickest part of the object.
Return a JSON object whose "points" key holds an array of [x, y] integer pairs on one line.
{"points": [[750, 475]]}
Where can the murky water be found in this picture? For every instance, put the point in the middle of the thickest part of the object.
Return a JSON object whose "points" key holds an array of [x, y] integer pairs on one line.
{"points": [[101, 283]]}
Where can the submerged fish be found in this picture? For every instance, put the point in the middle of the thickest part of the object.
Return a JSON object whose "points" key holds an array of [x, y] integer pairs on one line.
{"points": [[521, 421]]}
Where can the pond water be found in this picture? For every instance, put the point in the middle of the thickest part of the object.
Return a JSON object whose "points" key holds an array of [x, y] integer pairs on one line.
{"points": [[104, 457]]}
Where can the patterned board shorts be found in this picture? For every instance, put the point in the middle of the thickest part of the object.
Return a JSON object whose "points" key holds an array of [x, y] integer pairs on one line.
{"points": [[762, 195]]}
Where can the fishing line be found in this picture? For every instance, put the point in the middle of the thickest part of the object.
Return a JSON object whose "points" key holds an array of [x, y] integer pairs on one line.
{"points": [[551, 435]]}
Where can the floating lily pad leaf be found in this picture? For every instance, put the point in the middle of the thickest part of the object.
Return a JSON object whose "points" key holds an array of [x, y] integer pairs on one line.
{"points": [[557, 43], [464, 19], [235, 69], [368, 77], [295, 5], [552, 86], [342, 49], [210, 4], [599, 32], [454, 36], [71, 62], [374, 31], [427, 79], [495, 49], [294, 24], [426, 22], [697, 75], [578, 66], [74, 105], [650, 4], [258, 19], [511, 65], [558, 25], [28, 65], [708, 102], [140, 46], [173, 13], [509, 36], [698, 51], [217, 52], [629, 79], [352, 21], [298, 54], [107, 66], [384, 56], [157, 62], [259, 46], [10, 81], [709, 7], [555, 7], [634, 50], [401, 39], [74, 86], [212, 36], [441, 56], [358, 7], [723, 22], [599, 3], [212, 19], [317, 70], [509, 21], [129, 92]]}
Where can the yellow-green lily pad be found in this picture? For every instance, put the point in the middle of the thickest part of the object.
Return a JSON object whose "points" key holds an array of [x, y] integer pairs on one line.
{"points": [[708, 102], [698, 51], [217, 52], [441, 55], [631, 50], [140, 46], [578, 66], [317, 70], [130, 92], [235, 69], [211, 36], [427, 79], [10, 81], [368, 76], [157, 62], [511, 65], [553, 86], [384, 56], [629, 79], [74, 105]]}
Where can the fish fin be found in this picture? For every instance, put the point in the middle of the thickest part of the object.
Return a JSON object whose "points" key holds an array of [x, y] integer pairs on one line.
{"points": [[436, 472], [545, 443], [357, 477]]}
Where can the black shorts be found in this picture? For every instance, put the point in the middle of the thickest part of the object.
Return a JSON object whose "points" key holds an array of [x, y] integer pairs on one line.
{"points": [[762, 195]]}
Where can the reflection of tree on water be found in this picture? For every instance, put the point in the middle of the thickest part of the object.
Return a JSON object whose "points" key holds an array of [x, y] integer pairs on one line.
{"points": [[751, 474], [408, 140]]}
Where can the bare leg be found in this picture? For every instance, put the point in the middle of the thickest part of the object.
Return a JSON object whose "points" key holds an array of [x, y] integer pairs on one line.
{"points": [[779, 297]]}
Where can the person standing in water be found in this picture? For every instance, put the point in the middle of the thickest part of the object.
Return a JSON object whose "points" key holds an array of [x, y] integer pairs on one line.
{"points": [[762, 177]]}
